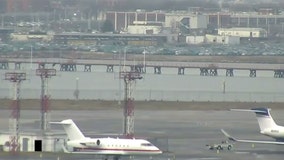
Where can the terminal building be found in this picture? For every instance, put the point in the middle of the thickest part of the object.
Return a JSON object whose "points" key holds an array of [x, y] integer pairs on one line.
{"points": [[96, 39], [160, 27], [192, 21], [243, 32], [32, 36], [121, 20], [170, 21], [213, 39], [145, 27], [199, 27]]}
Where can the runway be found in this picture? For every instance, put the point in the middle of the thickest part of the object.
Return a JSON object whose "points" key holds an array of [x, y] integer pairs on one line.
{"points": [[182, 133]]}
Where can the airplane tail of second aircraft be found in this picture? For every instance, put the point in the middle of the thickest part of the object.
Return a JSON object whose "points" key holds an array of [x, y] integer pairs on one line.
{"points": [[71, 129], [265, 120]]}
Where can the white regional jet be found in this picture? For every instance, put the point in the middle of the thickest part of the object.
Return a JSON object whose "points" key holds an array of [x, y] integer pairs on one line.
{"points": [[114, 147], [267, 127]]}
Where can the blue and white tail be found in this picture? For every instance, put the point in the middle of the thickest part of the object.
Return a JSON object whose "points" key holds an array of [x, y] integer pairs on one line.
{"points": [[264, 118], [265, 121], [71, 129]]}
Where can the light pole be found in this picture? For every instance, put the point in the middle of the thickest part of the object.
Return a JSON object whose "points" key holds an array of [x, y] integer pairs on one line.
{"points": [[31, 57], [124, 58], [76, 92], [2, 21], [224, 87], [144, 60], [119, 82]]}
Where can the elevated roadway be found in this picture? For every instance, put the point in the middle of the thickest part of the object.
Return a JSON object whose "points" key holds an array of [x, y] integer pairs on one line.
{"points": [[206, 68]]}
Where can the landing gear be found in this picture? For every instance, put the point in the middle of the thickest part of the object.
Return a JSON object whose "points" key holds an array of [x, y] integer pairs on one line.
{"points": [[116, 157], [229, 147]]}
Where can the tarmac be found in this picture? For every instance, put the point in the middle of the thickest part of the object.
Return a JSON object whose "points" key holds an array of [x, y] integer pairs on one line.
{"points": [[181, 134]]}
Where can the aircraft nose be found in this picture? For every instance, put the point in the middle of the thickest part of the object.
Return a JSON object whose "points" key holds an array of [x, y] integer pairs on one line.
{"points": [[158, 150]]}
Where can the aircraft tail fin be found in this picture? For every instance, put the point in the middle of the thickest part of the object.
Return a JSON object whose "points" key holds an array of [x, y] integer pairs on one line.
{"points": [[263, 116], [71, 129]]}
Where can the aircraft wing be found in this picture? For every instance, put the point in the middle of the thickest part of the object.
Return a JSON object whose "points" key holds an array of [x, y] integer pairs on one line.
{"points": [[62, 122], [249, 141], [65, 150]]}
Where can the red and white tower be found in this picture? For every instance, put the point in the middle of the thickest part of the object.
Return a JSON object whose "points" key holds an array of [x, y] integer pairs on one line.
{"points": [[44, 75], [16, 79], [17, 5], [128, 109]]}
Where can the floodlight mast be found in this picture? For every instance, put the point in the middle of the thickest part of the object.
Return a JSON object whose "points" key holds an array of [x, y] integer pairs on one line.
{"points": [[44, 75], [128, 109], [15, 78]]}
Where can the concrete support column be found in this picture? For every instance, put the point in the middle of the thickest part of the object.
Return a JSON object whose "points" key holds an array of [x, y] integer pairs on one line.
{"points": [[88, 68], [180, 70], [252, 73], [18, 65], [109, 68], [230, 72], [157, 70]]}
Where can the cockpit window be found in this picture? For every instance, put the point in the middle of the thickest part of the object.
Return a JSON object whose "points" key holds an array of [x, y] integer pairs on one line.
{"points": [[146, 144]]}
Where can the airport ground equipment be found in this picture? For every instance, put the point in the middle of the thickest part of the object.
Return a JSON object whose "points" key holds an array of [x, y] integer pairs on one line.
{"points": [[220, 146]]}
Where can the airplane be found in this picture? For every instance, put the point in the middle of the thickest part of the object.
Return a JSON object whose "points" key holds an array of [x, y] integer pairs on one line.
{"points": [[267, 126], [115, 147]]}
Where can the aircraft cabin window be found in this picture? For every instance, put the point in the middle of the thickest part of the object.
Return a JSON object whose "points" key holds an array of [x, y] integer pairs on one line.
{"points": [[275, 131], [146, 144]]}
